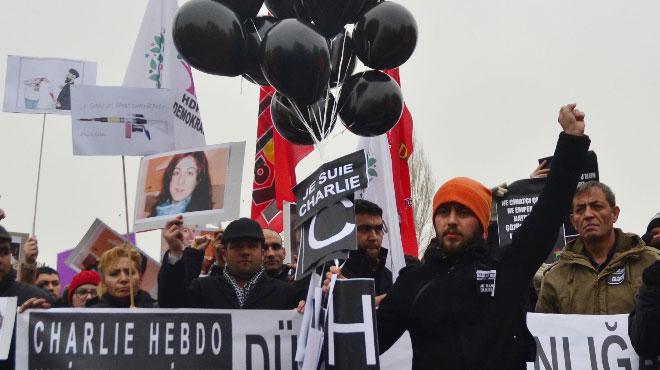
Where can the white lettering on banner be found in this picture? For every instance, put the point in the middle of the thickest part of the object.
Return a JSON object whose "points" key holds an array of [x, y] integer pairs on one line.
{"points": [[595, 342], [366, 327]]}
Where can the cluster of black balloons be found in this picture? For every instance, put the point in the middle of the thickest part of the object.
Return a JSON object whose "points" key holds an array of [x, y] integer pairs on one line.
{"points": [[306, 53]]}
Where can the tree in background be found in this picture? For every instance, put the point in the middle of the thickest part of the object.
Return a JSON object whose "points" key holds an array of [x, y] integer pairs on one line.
{"points": [[422, 183]]}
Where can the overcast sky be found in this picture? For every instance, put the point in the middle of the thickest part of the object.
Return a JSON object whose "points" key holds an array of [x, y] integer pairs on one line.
{"points": [[484, 87]]}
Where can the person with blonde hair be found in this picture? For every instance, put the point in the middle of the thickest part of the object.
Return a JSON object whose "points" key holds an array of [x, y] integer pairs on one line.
{"points": [[120, 270]]}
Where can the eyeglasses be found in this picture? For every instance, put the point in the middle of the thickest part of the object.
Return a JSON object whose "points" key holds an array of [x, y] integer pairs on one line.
{"points": [[379, 229], [82, 293]]}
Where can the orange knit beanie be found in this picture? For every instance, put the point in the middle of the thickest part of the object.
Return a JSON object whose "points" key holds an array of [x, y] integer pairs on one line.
{"points": [[470, 193]]}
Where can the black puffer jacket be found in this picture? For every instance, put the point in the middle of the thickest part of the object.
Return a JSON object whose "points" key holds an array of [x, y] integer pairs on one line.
{"points": [[644, 321], [455, 322], [9, 287]]}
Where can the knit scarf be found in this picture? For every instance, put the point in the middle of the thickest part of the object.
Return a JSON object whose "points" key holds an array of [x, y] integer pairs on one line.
{"points": [[243, 293]]}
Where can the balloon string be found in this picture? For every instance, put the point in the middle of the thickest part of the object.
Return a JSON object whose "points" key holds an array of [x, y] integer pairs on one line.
{"points": [[333, 116], [255, 29]]}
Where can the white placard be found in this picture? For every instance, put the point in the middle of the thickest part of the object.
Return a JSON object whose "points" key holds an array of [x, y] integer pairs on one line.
{"points": [[43, 85], [203, 184], [121, 121]]}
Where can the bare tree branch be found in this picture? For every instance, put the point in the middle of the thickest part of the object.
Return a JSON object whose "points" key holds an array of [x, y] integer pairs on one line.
{"points": [[423, 188]]}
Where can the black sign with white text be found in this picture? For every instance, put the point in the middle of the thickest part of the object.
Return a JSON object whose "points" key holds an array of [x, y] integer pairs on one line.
{"points": [[329, 184], [328, 235], [352, 340], [156, 339]]}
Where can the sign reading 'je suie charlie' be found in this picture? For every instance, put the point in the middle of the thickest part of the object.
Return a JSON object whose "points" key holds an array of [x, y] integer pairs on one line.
{"points": [[157, 339], [329, 184]]}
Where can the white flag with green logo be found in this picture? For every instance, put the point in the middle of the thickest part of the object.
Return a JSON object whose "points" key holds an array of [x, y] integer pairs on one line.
{"points": [[156, 63]]}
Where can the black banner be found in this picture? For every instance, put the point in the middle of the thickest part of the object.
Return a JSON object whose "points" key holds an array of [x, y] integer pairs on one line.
{"points": [[515, 206], [157, 339], [328, 235], [352, 339], [329, 184]]}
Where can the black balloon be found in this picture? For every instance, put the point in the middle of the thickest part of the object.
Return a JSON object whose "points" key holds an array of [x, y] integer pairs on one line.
{"points": [[209, 36], [342, 58], [244, 8], [295, 60], [370, 104], [385, 36], [330, 16], [255, 30], [283, 9], [367, 5], [286, 119]]}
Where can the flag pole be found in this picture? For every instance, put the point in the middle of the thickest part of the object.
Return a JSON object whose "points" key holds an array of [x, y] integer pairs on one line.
{"points": [[123, 167], [36, 196]]}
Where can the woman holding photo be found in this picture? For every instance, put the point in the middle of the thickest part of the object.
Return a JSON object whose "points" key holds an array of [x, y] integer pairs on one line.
{"points": [[186, 186], [120, 273]]}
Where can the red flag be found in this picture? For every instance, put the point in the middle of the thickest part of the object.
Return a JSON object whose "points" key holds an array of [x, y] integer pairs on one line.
{"points": [[401, 147], [275, 163]]}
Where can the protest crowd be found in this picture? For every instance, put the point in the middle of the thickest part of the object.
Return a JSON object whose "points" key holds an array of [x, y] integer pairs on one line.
{"points": [[456, 319], [324, 258]]}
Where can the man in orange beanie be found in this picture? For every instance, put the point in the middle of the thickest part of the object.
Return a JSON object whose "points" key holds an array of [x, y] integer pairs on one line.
{"points": [[465, 305]]}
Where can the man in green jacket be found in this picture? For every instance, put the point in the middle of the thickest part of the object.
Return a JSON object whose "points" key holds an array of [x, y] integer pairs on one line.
{"points": [[600, 272]]}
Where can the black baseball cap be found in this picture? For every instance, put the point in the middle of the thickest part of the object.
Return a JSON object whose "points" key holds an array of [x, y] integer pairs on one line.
{"points": [[243, 228], [4, 235]]}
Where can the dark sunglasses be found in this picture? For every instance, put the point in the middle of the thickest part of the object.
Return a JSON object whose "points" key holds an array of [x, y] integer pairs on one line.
{"points": [[275, 246]]}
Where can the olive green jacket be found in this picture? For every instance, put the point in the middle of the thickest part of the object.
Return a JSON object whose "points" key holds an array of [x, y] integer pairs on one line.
{"points": [[573, 286]]}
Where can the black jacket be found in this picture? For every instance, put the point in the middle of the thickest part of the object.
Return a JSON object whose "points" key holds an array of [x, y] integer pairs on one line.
{"points": [[644, 321], [215, 292], [142, 300], [357, 266], [454, 321], [9, 287]]}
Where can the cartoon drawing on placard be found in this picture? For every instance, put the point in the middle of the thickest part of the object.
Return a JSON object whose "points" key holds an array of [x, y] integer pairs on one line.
{"points": [[43, 85]]}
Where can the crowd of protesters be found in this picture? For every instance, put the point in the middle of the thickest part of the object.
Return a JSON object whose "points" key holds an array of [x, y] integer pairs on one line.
{"points": [[464, 304]]}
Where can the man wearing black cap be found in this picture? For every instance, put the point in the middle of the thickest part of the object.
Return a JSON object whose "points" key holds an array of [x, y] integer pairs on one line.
{"points": [[64, 97], [9, 287], [652, 236], [243, 283]]}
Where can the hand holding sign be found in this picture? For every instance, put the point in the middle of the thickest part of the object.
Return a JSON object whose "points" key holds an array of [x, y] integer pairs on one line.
{"points": [[174, 236], [31, 250], [571, 119]]}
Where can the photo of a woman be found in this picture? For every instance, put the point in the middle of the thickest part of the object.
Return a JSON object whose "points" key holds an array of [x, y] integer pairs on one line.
{"points": [[200, 184], [186, 186]]}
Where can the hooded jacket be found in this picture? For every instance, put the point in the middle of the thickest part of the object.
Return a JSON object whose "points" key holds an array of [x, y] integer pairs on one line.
{"points": [[467, 311], [573, 286]]}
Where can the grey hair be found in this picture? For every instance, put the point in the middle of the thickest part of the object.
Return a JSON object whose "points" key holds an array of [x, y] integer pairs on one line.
{"points": [[609, 194]]}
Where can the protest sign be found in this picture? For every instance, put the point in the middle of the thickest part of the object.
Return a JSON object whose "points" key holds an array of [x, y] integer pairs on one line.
{"points": [[120, 121], [100, 238], [290, 234], [16, 246], [596, 342], [202, 184], [7, 318], [43, 85], [155, 63], [329, 184], [328, 235], [352, 338], [515, 206], [157, 339]]}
